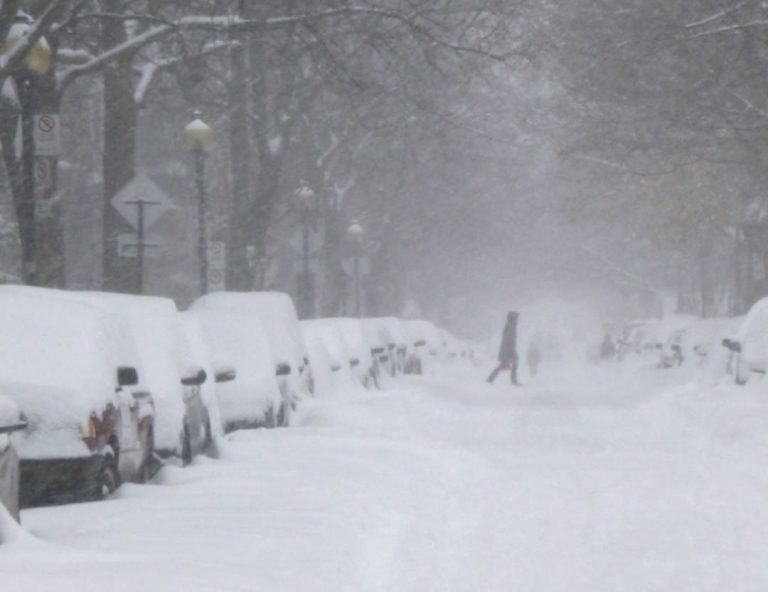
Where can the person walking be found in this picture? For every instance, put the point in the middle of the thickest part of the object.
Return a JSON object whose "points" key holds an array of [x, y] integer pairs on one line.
{"points": [[607, 347], [533, 358], [508, 350]]}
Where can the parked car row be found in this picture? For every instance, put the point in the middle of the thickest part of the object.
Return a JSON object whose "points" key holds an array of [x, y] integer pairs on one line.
{"points": [[97, 389]]}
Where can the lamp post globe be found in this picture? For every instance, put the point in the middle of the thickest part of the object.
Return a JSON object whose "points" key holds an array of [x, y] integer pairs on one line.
{"points": [[306, 197], [39, 56], [198, 135], [200, 139], [355, 232]]}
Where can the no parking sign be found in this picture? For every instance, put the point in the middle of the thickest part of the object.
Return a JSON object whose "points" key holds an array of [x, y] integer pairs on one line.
{"points": [[47, 135]]}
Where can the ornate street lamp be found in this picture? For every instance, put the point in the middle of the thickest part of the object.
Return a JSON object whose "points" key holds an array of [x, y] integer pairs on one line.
{"points": [[37, 62], [355, 235], [200, 139], [307, 200]]}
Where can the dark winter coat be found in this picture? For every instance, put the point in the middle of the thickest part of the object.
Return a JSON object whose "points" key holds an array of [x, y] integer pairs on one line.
{"points": [[508, 349]]}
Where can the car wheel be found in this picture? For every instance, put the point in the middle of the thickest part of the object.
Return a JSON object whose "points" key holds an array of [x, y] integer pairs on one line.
{"points": [[149, 457], [283, 414], [208, 432], [186, 447], [109, 479]]}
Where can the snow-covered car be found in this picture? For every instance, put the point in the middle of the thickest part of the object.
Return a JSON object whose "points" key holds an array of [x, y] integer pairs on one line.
{"points": [[381, 345], [398, 342], [361, 362], [11, 420], [253, 399], [217, 367], [326, 346], [426, 341], [695, 341], [639, 337], [71, 369], [278, 315], [673, 336], [749, 347], [168, 368]]}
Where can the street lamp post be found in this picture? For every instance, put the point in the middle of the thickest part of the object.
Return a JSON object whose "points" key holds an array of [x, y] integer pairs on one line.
{"points": [[37, 62], [307, 199], [355, 234], [200, 139]]}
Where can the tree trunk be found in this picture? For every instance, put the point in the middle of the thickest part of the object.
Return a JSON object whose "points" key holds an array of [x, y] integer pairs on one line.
{"points": [[119, 274], [239, 271]]}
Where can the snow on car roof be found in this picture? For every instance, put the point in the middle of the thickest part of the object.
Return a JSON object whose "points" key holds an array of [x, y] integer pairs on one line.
{"points": [[277, 313], [426, 330], [55, 345], [328, 333]]}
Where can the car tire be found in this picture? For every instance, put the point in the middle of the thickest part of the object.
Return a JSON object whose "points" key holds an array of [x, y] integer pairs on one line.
{"points": [[149, 458], [284, 415], [208, 432], [109, 479], [186, 446]]}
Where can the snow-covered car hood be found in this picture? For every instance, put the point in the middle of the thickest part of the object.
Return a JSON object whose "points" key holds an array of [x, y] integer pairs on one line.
{"points": [[55, 426]]}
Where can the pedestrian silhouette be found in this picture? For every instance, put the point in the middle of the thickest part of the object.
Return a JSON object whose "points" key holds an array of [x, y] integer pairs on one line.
{"points": [[508, 350]]}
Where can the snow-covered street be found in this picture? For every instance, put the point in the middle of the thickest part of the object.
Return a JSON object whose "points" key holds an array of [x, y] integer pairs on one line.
{"points": [[584, 480]]}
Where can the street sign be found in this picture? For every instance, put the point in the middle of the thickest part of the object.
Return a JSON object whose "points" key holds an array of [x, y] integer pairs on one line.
{"points": [[217, 255], [128, 246], [141, 188], [217, 266], [47, 134], [216, 280], [44, 173], [43, 209]]}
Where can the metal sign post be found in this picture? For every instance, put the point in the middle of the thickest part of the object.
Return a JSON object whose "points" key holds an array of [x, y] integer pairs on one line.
{"points": [[141, 244]]}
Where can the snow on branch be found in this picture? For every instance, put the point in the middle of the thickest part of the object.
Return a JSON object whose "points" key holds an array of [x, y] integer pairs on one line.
{"points": [[236, 24], [731, 28], [717, 16], [148, 71]]}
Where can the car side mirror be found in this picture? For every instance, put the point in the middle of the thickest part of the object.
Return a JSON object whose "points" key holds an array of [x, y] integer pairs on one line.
{"points": [[354, 362], [225, 374], [335, 367], [283, 369], [127, 376], [194, 378], [17, 426], [419, 343]]}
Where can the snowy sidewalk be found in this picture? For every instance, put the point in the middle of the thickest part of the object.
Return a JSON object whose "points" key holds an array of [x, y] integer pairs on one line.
{"points": [[584, 482]]}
